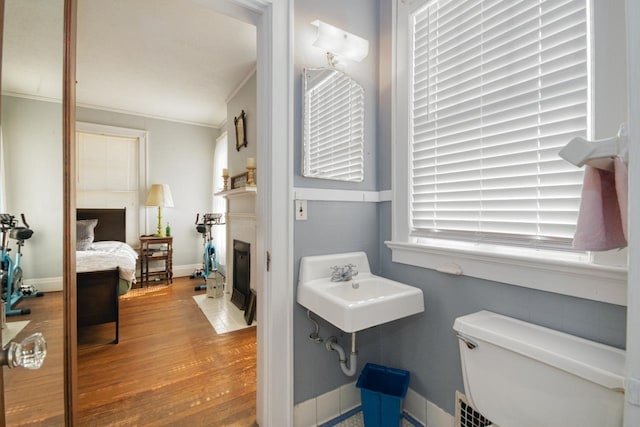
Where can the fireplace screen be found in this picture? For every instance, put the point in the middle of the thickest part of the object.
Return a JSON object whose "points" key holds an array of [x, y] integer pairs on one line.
{"points": [[241, 273]]}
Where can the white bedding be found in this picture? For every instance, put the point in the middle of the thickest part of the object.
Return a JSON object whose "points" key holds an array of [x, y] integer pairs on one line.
{"points": [[106, 255]]}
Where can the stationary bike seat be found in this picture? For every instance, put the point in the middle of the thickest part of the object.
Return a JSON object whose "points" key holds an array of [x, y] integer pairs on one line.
{"points": [[21, 233]]}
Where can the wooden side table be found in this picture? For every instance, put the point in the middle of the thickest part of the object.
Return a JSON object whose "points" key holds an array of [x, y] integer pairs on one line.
{"points": [[156, 249]]}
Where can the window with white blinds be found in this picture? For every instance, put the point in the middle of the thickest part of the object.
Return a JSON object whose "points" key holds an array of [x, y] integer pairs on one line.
{"points": [[111, 171], [333, 126], [497, 88]]}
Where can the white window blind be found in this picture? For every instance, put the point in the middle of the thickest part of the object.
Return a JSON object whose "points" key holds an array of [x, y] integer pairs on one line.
{"points": [[108, 174], [497, 89], [333, 127], [107, 163]]}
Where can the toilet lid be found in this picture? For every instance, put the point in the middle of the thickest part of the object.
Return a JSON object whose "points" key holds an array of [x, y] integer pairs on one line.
{"points": [[590, 360]]}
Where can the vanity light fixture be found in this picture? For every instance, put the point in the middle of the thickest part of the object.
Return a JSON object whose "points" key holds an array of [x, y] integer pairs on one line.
{"points": [[339, 43]]}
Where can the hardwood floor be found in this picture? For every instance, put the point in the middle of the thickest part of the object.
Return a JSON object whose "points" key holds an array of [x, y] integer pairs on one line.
{"points": [[37, 397], [170, 367]]}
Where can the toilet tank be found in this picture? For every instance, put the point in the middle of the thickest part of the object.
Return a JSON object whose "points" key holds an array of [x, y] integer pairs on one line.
{"points": [[518, 374]]}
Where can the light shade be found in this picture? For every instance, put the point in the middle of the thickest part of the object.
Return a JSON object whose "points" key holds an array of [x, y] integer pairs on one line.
{"points": [[339, 42], [160, 195]]}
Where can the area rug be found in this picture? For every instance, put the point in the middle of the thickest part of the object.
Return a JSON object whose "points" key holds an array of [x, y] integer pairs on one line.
{"points": [[221, 313], [12, 330]]}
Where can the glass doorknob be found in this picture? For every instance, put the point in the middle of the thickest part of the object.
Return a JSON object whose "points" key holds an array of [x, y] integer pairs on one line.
{"points": [[30, 353]]}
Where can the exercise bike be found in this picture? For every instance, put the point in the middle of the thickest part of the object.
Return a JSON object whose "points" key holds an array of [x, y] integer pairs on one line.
{"points": [[10, 270], [209, 259]]}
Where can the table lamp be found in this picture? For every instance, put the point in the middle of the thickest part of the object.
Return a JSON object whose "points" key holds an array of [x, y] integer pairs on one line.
{"points": [[160, 196]]}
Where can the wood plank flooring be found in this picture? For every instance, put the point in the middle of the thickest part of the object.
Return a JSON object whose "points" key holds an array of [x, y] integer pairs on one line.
{"points": [[170, 367], [37, 397]]}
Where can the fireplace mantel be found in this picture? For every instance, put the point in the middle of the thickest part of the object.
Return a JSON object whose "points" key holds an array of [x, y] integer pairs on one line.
{"points": [[238, 192]]}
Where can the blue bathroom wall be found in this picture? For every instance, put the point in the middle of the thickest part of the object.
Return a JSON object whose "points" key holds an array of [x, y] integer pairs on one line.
{"points": [[334, 227], [385, 96]]}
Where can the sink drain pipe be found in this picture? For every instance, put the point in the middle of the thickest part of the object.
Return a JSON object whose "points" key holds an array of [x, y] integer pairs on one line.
{"points": [[332, 345]]}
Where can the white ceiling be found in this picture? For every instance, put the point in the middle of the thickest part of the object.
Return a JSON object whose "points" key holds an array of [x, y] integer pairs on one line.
{"points": [[172, 59]]}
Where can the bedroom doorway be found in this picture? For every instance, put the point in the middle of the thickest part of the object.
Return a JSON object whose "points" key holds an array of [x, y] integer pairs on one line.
{"points": [[275, 305]]}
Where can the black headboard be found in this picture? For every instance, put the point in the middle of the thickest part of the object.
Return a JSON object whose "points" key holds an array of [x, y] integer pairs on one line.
{"points": [[112, 223]]}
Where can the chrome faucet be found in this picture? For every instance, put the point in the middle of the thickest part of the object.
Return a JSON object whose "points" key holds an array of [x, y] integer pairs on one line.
{"points": [[343, 273]]}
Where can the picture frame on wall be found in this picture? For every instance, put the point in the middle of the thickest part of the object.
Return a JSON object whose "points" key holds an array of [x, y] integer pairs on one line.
{"points": [[241, 130]]}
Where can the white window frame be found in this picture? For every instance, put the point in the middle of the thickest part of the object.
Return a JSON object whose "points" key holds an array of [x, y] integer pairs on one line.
{"points": [[583, 275], [142, 136], [219, 203]]}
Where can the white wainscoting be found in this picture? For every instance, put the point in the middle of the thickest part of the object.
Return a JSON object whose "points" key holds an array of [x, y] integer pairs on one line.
{"points": [[328, 406]]}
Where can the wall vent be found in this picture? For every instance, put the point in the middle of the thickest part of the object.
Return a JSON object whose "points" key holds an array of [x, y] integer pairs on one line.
{"points": [[466, 416]]}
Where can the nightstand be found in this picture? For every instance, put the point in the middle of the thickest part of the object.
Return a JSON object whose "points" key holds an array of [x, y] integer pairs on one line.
{"points": [[159, 252]]}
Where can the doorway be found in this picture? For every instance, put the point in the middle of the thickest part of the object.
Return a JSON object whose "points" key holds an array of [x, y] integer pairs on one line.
{"points": [[274, 206]]}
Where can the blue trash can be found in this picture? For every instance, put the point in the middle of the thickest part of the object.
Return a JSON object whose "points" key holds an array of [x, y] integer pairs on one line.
{"points": [[382, 390]]}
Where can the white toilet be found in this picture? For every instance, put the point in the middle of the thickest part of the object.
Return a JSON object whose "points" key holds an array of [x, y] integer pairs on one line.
{"points": [[522, 375]]}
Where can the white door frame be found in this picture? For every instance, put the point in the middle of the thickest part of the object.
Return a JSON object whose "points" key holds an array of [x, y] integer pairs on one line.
{"points": [[632, 380], [274, 209]]}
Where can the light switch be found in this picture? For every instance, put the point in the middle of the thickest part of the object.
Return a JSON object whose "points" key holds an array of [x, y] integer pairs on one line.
{"points": [[301, 210]]}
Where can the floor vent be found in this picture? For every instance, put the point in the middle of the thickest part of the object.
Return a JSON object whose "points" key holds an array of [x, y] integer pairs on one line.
{"points": [[466, 416]]}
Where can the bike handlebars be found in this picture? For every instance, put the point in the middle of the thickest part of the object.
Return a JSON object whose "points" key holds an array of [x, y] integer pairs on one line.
{"points": [[8, 221], [24, 221], [209, 218]]}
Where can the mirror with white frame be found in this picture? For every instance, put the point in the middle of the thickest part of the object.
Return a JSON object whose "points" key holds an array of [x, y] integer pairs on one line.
{"points": [[333, 126]]}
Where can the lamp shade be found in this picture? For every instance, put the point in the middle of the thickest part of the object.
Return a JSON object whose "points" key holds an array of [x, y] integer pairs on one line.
{"points": [[160, 195]]}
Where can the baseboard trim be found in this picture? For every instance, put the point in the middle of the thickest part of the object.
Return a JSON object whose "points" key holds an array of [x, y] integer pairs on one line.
{"points": [[46, 284], [54, 284], [185, 270]]}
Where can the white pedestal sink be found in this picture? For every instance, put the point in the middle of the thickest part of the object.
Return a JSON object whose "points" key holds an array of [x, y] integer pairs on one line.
{"points": [[362, 302]]}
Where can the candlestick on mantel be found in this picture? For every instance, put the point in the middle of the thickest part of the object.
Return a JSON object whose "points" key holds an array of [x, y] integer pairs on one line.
{"points": [[251, 170], [225, 179]]}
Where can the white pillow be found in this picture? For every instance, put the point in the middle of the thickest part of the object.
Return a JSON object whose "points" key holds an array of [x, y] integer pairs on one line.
{"points": [[84, 233]]}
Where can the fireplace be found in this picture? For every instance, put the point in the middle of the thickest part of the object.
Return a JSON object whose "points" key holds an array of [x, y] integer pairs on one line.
{"points": [[241, 273]]}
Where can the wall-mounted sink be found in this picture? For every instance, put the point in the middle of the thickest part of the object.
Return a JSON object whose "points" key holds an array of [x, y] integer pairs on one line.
{"points": [[352, 305]]}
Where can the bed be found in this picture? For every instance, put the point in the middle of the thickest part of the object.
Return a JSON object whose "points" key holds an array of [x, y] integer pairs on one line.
{"points": [[105, 266]]}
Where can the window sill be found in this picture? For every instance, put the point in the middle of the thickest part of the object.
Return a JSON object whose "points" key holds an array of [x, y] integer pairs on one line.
{"points": [[562, 276]]}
